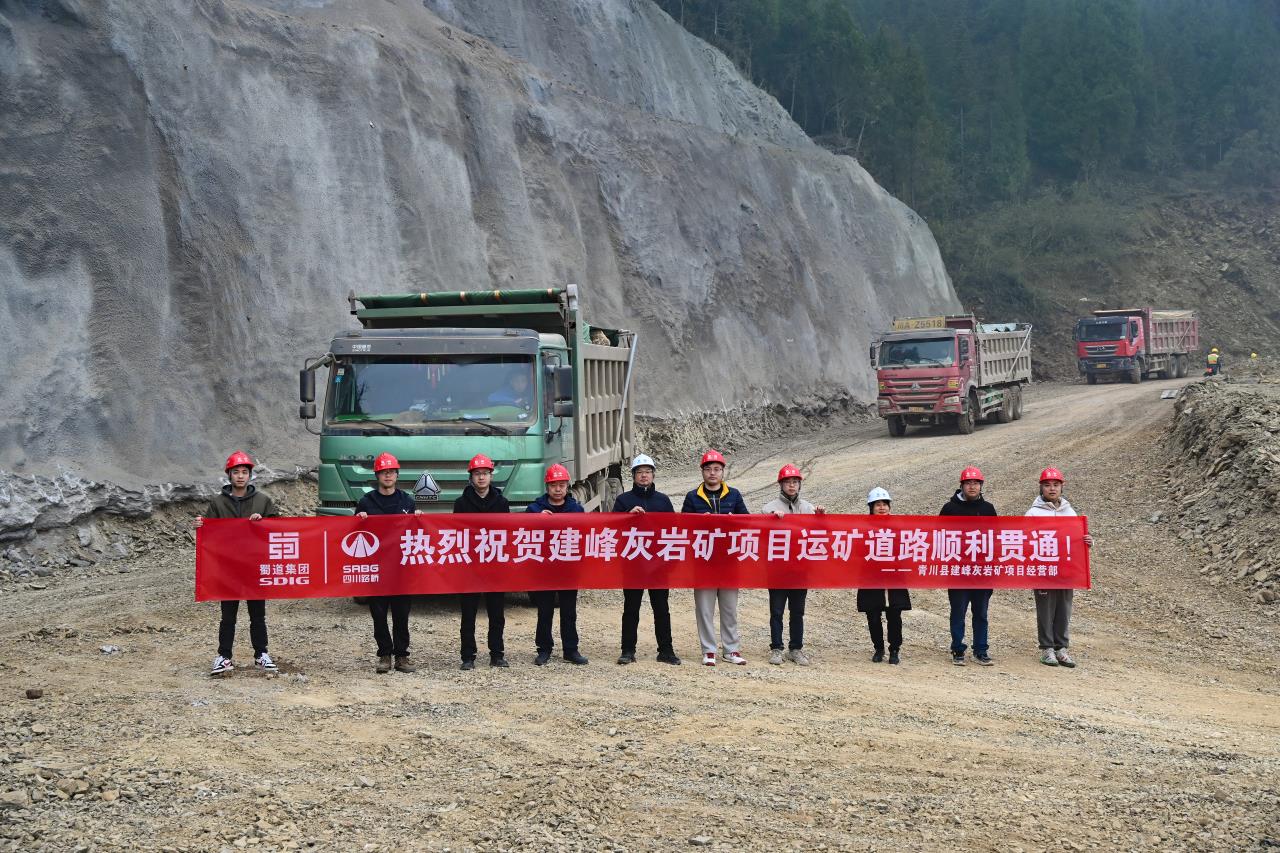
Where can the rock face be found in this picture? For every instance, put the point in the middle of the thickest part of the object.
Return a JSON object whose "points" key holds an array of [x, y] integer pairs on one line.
{"points": [[189, 190]]}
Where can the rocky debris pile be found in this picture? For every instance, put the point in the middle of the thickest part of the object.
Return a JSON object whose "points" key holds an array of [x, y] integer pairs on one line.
{"points": [[1224, 482]]}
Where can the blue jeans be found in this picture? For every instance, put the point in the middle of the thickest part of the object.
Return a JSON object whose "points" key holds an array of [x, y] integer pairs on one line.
{"points": [[961, 600]]}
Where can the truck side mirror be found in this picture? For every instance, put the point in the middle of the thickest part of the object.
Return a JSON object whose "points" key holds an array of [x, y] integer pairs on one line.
{"points": [[307, 388], [564, 386], [307, 411], [871, 355], [964, 350], [562, 409]]}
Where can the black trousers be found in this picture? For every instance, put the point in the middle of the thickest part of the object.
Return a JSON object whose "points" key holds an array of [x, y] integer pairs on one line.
{"points": [[546, 601], [257, 627], [893, 616], [659, 600], [395, 642], [780, 600], [495, 606]]}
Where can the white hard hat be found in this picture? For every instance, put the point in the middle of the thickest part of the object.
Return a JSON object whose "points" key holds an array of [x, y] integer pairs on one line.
{"points": [[878, 494], [643, 460]]}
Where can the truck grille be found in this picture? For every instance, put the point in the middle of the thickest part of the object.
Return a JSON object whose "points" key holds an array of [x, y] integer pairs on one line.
{"points": [[1107, 349], [911, 390]]}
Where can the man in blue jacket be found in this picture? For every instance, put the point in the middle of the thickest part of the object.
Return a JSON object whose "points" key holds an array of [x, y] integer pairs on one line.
{"points": [[969, 501], [716, 497], [645, 497], [556, 500]]}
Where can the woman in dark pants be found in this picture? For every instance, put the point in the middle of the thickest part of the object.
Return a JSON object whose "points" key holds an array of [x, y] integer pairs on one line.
{"points": [[891, 602]]}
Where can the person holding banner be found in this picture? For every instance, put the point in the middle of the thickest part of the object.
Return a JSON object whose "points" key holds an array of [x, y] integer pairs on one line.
{"points": [[891, 602], [386, 499], [969, 501], [557, 500], [645, 497], [788, 502], [481, 496], [716, 497], [1053, 606], [239, 499]]}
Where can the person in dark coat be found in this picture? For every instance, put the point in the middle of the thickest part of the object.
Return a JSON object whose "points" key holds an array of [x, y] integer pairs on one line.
{"points": [[557, 500], [481, 496], [645, 497], [969, 501], [891, 602], [716, 497]]}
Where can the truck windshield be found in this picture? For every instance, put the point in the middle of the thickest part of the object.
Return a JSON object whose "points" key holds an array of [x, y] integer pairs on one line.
{"points": [[1101, 331], [921, 353], [425, 395]]}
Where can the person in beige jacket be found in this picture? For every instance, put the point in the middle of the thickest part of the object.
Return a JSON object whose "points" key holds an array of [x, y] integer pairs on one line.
{"points": [[788, 502]]}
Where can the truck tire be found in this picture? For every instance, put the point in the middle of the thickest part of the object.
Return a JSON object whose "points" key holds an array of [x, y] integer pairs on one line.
{"points": [[1091, 378], [612, 489], [1017, 402], [1004, 414], [967, 421], [897, 426], [1135, 373], [1180, 367]]}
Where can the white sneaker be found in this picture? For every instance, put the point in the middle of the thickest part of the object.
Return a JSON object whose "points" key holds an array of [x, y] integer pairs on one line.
{"points": [[709, 659], [1048, 658], [1064, 659], [264, 661], [221, 665], [734, 657], [797, 656], [775, 657]]}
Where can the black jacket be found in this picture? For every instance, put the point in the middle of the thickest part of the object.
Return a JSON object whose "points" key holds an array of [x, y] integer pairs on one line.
{"points": [[469, 501], [227, 505], [544, 503], [959, 506], [727, 502], [396, 503], [647, 498]]}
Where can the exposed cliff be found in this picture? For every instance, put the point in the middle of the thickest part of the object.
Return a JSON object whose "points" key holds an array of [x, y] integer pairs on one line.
{"points": [[189, 189]]}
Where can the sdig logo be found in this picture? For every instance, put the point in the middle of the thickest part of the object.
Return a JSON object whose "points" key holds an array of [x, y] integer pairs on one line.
{"points": [[285, 580], [360, 544]]}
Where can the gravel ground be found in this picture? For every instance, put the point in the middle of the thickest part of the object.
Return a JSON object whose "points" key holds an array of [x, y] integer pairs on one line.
{"points": [[1166, 737]]}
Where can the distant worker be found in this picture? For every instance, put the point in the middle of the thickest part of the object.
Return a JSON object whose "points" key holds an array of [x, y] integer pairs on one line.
{"points": [[1212, 362], [969, 501], [716, 497], [556, 500], [386, 499], [239, 499], [1053, 606], [891, 603], [645, 497], [787, 503]]}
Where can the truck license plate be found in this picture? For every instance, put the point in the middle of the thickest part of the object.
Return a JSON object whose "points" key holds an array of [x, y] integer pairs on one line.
{"points": [[1102, 365], [917, 408]]}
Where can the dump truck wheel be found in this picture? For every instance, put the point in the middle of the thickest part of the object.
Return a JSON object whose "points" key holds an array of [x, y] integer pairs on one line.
{"points": [[1091, 378], [1017, 403], [967, 420], [1005, 413], [1135, 373], [897, 426]]}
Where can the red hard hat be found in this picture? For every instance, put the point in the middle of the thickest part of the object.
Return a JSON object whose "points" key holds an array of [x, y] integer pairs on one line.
{"points": [[479, 461], [385, 462], [557, 474], [788, 471], [238, 458], [712, 456], [1052, 474], [972, 473]]}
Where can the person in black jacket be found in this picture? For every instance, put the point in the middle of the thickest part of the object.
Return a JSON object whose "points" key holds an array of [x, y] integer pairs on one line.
{"points": [[481, 495], [557, 500], [969, 501], [716, 497], [644, 497], [388, 500], [239, 499], [891, 602]]}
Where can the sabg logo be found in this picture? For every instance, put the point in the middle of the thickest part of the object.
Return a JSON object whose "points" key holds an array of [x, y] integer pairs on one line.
{"points": [[360, 544]]}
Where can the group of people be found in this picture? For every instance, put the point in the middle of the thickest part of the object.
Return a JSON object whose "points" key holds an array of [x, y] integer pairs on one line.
{"points": [[883, 607]]}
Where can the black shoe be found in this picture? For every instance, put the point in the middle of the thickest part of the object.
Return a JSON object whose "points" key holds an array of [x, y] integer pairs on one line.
{"points": [[957, 658], [983, 659], [542, 659], [893, 657], [575, 658], [626, 658], [668, 657], [878, 656], [499, 661], [467, 665]]}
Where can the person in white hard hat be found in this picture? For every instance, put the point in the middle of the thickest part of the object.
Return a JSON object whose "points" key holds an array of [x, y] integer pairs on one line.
{"points": [[891, 602], [645, 497]]}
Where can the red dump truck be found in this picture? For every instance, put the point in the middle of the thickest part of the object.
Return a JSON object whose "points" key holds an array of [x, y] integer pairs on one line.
{"points": [[1130, 343], [953, 370]]}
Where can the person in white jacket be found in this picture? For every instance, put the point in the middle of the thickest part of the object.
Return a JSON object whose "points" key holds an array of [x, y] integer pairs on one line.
{"points": [[1053, 606], [788, 502]]}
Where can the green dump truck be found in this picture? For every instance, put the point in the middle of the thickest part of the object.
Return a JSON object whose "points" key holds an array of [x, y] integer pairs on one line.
{"points": [[435, 378]]}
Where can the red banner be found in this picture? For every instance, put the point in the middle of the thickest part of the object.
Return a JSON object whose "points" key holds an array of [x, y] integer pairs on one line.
{"points": [[436, 554]]}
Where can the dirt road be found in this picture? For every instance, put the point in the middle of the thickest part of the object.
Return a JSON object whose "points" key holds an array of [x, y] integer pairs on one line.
{"points": [[1166, 737]]}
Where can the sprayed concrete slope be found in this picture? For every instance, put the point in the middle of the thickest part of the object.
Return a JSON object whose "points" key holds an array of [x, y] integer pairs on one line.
{"points": [[189, 190]]}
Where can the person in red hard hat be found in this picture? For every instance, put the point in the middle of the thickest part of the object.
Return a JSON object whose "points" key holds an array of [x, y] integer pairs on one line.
{"points": [[239, 499], [788, 502], [716, 497], [557, 500], [386, 499], [481, 496], [1053, 606], [969, 501]]}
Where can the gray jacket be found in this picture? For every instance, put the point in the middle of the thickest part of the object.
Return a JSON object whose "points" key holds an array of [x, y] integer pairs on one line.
{"points": [[786, 506]]}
